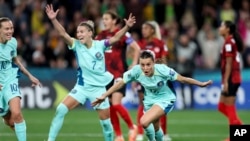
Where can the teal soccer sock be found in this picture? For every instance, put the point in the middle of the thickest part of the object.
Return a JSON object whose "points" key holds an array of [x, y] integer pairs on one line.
{"points": [[107, 129], [150, 132], [57, 121], [20, 129], [159, 135]]}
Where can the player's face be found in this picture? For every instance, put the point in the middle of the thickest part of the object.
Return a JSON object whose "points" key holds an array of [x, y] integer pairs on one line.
{"points": [[147, 31], [223, 29], [108, 21], [6, 31], [147, 66], [83, 34]]}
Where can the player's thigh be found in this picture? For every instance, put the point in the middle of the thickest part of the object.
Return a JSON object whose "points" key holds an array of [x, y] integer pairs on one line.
{"points": [[95, 93], [152, 114]]}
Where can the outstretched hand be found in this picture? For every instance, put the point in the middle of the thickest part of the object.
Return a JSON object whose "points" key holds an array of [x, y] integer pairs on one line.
{"points": [[98, 101], [130, 21], [35, 81], [204, 84], [50, 11]]}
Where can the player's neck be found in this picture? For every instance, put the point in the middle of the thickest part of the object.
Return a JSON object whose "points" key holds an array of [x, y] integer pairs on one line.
{"points": [[226, 36], [2, 41], [149, 39], [89, 43]]}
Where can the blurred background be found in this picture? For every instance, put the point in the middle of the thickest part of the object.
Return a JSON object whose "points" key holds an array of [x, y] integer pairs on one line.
{"points": [[193, 23]]}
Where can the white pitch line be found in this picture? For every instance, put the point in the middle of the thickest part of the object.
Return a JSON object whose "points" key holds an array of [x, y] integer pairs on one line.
{"points": [[183, 135]]}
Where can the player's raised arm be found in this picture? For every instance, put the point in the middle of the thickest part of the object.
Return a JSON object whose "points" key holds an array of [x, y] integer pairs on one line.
{"points": [[129, 23], [52, 16]]}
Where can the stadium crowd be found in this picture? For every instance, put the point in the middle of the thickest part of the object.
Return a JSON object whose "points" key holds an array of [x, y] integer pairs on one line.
{"points": [[189, 28]]}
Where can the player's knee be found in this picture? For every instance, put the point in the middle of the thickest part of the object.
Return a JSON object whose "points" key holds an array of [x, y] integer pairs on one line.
{"points": [[144, 123], [61, 109], [16, 116]]}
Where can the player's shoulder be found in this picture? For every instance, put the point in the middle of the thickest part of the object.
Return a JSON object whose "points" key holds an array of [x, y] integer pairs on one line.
{"points": [[12, 42]]}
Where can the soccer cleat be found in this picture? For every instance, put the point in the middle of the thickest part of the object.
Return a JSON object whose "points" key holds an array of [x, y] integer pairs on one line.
{"points": [[139, 137], [167, 138], [132, 134], [119, 138]]}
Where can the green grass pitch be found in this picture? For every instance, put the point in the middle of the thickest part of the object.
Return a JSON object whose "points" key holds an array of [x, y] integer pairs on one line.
{"points": [[83, 125]]}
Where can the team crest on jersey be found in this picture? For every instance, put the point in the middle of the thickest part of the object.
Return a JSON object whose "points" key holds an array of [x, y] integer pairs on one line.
{"points": [[160, 84], [12, 53], [98, 55], [171, 73]]}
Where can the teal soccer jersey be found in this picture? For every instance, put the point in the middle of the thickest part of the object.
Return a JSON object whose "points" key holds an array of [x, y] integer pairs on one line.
{"points": [[157, 87], [91, 63], [7, 52]]}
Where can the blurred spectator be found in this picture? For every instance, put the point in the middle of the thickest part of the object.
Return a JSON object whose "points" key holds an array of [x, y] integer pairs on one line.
{"points": [[227, 12], [186, 53]]}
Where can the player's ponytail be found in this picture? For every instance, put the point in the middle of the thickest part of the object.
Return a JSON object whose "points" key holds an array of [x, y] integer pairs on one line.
{"points": [[233, 31]]}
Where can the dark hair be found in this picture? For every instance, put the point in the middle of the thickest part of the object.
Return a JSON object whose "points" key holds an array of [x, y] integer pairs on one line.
{"points": [[3, 19], [233, 31], [147, 54], [114, 16]]}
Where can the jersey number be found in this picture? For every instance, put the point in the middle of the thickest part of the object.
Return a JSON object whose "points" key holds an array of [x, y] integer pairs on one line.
{"points": [[94, 63]]}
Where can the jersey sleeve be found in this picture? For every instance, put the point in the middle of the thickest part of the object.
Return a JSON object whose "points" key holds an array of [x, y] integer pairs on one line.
{"points": [[73, 47], [14, 53], [131, 74], [167, 72], [229, 51]]}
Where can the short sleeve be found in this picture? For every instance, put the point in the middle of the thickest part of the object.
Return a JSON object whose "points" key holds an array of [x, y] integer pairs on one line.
{"points": [[73, 47], [131, 74], [228, 49], [167, 72], [15, 47]]}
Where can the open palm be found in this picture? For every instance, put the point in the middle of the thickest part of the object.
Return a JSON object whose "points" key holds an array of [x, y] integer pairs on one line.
{"points": [[50, 11], [130, 21]]}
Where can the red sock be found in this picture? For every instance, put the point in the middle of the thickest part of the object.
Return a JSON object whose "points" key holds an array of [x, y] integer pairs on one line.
{"points": [[124, 114], [222, 108], [163, 122], [139, 115], [232, 115], [115, 121]]}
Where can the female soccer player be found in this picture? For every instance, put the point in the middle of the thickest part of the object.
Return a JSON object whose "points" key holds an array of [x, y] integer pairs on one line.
{"points": [[92, 75], [10, 96], [152, 40], [116, 64], [230, 71], [159, 96]]}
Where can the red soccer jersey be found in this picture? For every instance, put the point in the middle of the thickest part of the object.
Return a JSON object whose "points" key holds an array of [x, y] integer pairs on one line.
{"points": [[230, 50], [156, 45], [115, 58]]}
